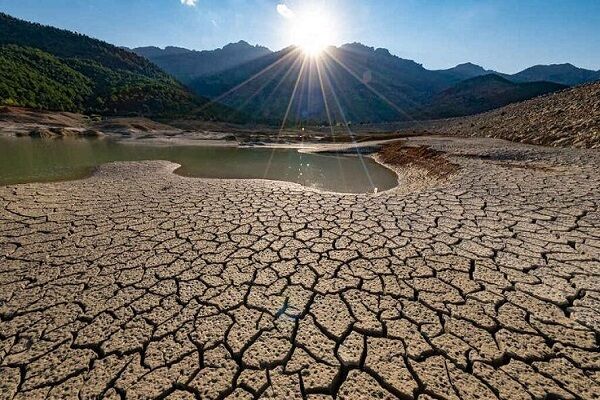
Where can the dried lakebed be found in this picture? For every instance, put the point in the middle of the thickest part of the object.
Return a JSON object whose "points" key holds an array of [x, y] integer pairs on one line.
{"points": [[139, 283], [34, 160]]}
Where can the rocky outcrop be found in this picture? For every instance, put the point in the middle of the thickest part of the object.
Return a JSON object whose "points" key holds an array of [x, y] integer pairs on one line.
{"points": [[57, 132]]}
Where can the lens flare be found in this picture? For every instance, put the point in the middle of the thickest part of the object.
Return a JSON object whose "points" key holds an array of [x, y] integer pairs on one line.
{"points": [[313, 31]]}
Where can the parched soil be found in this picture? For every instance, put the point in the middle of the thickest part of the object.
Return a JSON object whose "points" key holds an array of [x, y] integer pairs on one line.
{"points": [[435, 162], [137, 283]]}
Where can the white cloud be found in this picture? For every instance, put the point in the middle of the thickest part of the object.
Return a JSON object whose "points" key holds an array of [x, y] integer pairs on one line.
{"points": [[191, 3], [284, 11]]}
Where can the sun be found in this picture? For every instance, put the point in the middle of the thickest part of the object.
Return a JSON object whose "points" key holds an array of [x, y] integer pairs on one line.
{"points": [[313, 31]]}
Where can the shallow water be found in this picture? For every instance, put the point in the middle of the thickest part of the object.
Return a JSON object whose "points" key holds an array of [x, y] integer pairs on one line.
{"points": [[40, 160]]}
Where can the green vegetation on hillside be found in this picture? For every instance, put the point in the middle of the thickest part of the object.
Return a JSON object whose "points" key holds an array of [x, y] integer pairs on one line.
{"points": [[66, 44], [52, 69], [33, 78]]}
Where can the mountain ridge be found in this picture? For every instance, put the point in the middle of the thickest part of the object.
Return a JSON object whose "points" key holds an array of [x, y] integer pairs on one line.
{"points": [[484, 93], [51, 68], [186, 64], [370, 84], [565, 73], [264, 87], [466, 70]]}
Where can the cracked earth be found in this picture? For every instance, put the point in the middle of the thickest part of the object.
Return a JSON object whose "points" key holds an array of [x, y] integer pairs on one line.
{"points": [[137, 283]]}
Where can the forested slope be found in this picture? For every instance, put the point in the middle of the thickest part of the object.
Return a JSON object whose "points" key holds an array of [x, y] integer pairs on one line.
{"points": [[48, 68]]}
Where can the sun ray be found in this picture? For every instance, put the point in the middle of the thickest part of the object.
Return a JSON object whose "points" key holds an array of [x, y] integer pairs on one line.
{"points": [[267, 82], [286, 115], [325, 102], [328, 113], [312, 30], [351, 134], [295, 65], [217, 99], [289, 106], [372, 89]]}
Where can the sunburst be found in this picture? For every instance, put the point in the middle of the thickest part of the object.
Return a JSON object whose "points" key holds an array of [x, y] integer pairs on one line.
{"points": [[312, 30]]}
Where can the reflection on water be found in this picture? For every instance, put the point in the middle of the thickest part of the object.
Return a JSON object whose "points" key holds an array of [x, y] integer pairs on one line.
{"points": [[34, 160]]}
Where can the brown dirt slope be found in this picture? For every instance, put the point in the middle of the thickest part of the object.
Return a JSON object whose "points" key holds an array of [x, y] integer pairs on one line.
{"points": [[31, 122], [433, 161], [570, 118]]}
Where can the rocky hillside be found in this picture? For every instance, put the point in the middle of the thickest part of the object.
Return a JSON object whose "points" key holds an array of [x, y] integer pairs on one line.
{"points": [[567, 118]]}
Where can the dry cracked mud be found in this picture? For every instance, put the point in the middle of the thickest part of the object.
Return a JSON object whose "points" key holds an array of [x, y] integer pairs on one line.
{"points": [[140, 284]]}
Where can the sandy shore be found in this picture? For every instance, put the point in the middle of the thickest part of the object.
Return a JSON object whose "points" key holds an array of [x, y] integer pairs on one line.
{"points": [[170, 138], [138, 283]]}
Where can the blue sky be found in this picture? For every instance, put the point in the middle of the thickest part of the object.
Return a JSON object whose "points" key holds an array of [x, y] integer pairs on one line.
{"points": [[506, 35]]}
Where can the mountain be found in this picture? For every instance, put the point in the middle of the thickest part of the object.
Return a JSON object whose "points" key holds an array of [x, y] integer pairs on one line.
{"points": [[49, 68], [466, 71], [186, 64], [566, 74], [484, 93], [360, 84], [154, 52], [569, 118]]}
